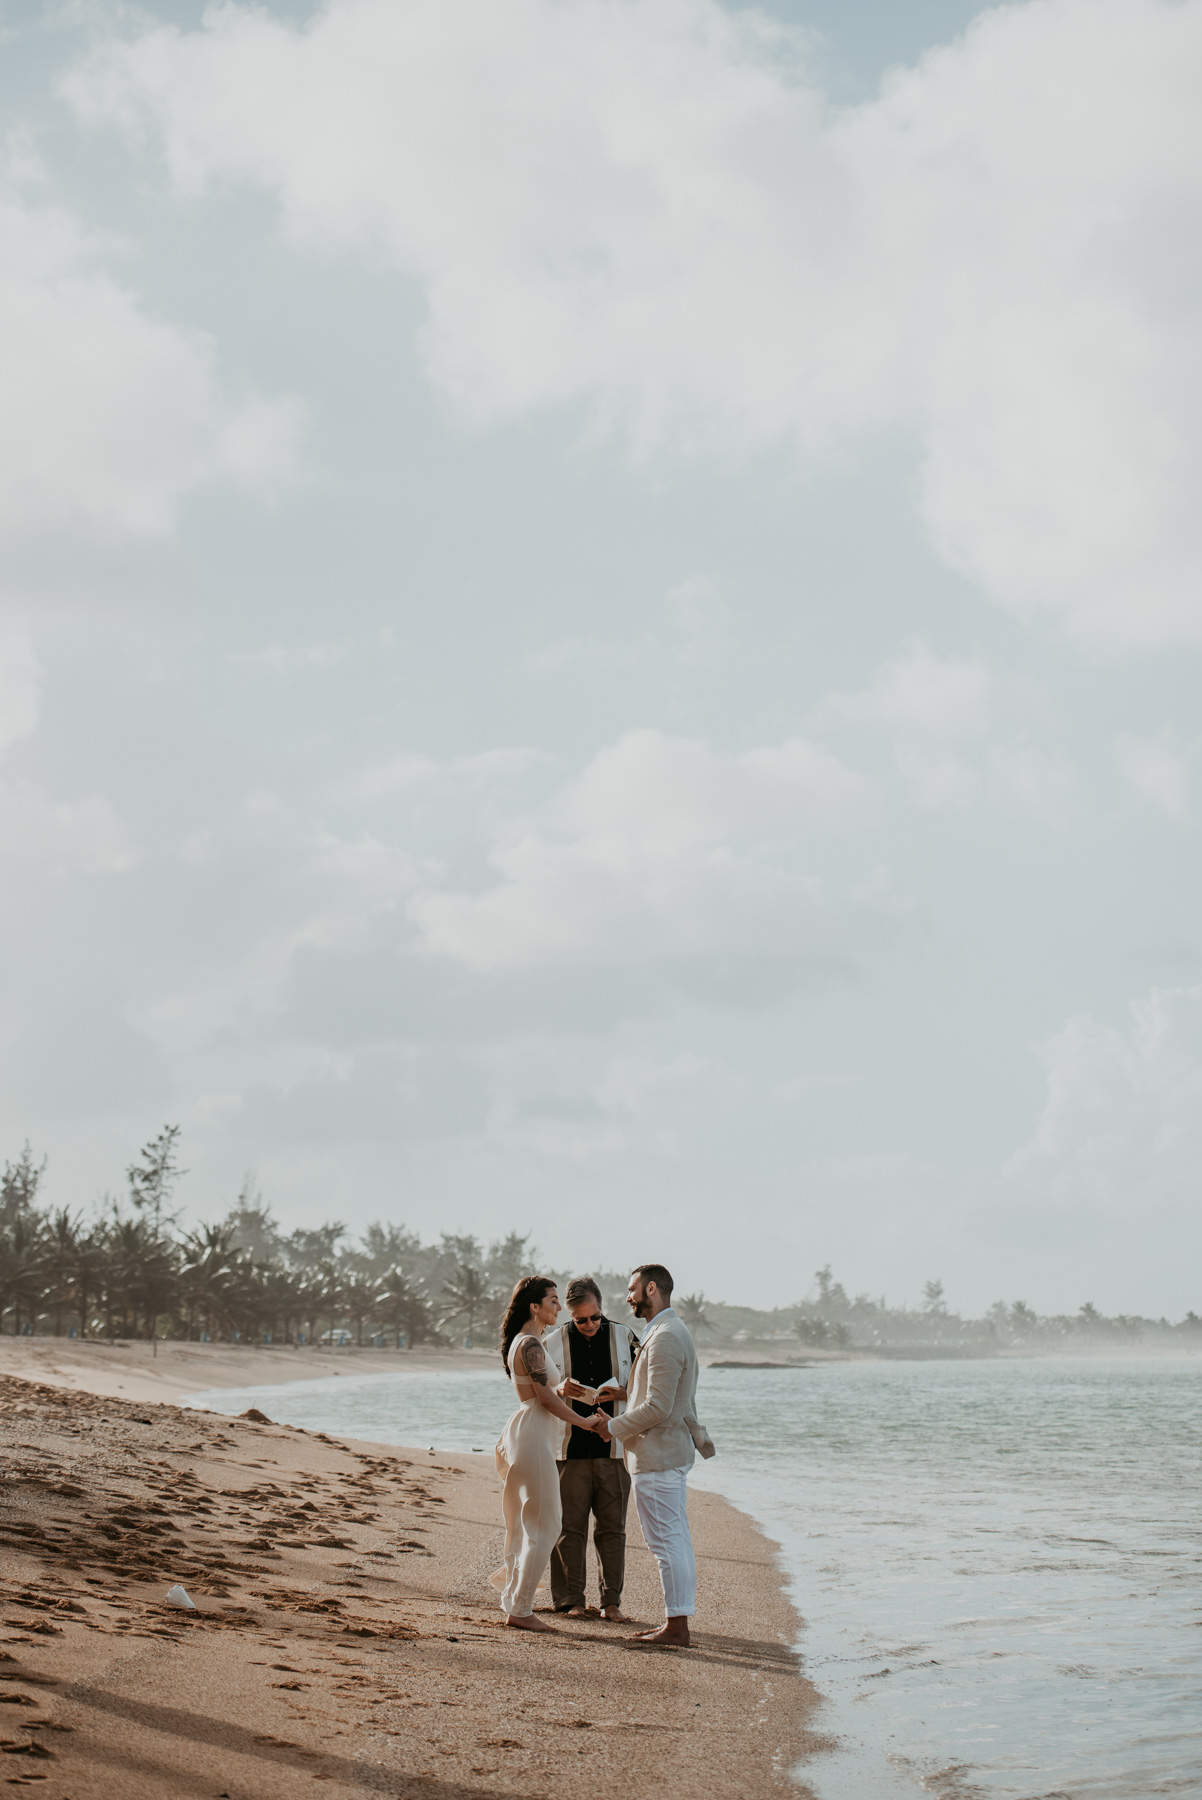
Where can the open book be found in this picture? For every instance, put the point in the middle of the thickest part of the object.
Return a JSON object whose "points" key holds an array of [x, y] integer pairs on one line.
{"points": [[596, 1396]]}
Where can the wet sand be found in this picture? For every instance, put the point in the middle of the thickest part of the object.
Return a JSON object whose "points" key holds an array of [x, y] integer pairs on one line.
{"points": [[347, 1640]]}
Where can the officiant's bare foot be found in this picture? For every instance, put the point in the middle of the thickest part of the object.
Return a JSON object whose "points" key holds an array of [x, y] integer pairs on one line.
{"points": [[578, 1612], [529, 1623], [673, 1632], [616, 1616]]}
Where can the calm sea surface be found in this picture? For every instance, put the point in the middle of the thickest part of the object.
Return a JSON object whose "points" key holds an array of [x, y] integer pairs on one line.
{"points": [[999, 1564]]}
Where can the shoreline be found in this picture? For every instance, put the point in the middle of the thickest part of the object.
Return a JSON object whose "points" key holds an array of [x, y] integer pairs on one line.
{"points": [[133, 1369], [346, 1631], [173, 1368]]}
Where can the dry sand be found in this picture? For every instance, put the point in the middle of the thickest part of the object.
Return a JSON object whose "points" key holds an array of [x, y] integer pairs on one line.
{"points": [[168, 1371], [347, 1634]]}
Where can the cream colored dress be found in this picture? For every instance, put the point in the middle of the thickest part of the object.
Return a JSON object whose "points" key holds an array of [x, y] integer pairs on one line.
{"points": [[526, 1453]]}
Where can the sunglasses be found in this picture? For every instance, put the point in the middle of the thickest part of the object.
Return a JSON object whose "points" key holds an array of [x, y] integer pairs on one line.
{"points": [[589, 1319]]}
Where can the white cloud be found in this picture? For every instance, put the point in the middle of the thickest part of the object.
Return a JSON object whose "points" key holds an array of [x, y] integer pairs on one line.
{"points": [[110, 417], [664, 849], [578, 1100], [483, 898], [1100, 1203], [960, 735], [659, 788], [1035, 176], [920, 695], [650, 210], [410, 774], [1120, 1136], [40, 830], [1155, 772]]}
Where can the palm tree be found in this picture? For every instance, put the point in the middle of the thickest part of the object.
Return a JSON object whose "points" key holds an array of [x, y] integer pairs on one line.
{"points": [[22, 1267], [320, 1291], [692, 1311], [403, 1308], [1088, 1320], [62, 1261], [208, 1276], [142, 1271], [471, 1295], [281, 1296], [358, 1298], [87, 1278]]}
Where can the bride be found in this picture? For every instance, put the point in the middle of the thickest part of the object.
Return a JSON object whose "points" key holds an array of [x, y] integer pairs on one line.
{"points": [[527, 1450]]}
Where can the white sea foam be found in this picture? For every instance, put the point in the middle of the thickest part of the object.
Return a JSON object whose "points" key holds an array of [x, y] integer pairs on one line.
{"points": [[1017, 1543]]}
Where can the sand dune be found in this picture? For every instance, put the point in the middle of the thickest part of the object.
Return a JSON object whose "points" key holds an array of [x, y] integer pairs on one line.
{"points": [[346, 1640]]}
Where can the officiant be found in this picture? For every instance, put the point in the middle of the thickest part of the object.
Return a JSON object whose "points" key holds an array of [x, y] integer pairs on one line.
{"points": [[591, 1353]]}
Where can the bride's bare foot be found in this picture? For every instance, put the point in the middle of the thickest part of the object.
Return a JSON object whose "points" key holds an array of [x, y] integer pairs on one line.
{"points": [[673, 1633], [616, 1616], [529, 1623]]}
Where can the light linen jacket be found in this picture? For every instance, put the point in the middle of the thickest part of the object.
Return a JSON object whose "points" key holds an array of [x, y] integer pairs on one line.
{"points": [[659, 1428], [623, 1347]]}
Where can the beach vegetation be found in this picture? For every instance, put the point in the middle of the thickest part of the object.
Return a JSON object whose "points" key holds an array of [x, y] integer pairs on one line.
{"points": [[128, 1268], [691, 1308], [470, 1296]]}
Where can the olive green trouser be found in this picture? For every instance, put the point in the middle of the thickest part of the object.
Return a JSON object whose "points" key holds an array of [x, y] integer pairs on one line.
{"points": [[600, 1486]]}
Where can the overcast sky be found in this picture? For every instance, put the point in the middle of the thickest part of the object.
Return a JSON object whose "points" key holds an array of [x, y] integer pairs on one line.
{"points": [[601, 616]]}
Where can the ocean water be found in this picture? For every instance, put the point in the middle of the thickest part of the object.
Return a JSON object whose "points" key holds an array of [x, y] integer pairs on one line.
{"points": [[999, 1563]]}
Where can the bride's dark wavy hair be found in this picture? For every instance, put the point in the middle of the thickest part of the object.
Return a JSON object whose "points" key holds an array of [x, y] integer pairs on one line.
{"points": [[528, 1292]]}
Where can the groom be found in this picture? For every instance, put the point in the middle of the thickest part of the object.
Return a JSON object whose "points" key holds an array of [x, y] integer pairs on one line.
{"points": [[660, 1434]]}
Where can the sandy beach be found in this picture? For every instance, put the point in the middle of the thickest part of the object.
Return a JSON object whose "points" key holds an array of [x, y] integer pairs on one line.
{"points": [[170, 1370], [346, 1633]]}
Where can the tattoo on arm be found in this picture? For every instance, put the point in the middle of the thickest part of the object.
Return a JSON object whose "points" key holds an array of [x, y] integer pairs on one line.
{"points": [[535, 1359]]}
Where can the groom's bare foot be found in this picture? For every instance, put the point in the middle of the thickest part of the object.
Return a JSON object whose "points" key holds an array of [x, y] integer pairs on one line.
{"points": [[616, 1616], [529, 1623], [673, 1633]]}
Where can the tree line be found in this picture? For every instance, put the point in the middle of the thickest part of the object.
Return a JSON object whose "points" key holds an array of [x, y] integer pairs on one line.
{"points": [[831, 1318], [129, 1269]]}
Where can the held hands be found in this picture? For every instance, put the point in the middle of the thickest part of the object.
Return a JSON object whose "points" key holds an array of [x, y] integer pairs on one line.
{"points": [[598, 1423]]}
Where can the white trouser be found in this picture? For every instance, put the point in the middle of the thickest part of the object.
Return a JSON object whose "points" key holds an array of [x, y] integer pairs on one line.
{"points": [[660, 1497]]}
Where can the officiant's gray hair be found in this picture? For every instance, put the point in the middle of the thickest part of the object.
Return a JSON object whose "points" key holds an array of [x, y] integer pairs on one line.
{"points": [[577, 1289]]}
